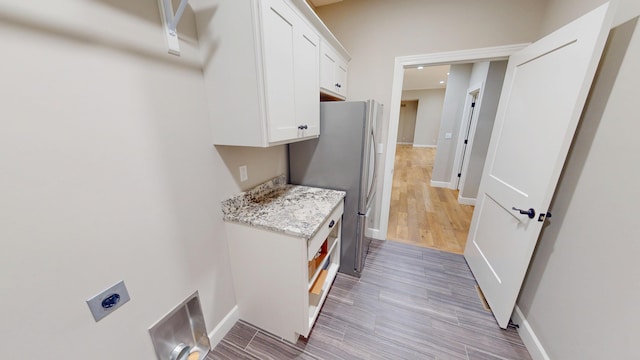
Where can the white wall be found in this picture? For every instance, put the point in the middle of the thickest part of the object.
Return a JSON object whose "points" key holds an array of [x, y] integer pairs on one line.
{"points": [[107, 174], [428, 116], [376, 31], [582, 290], [561, 12], [479, 73], [481, 136], [452, 111]]}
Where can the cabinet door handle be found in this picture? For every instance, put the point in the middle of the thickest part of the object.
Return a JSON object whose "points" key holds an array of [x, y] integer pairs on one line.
{"points": [[338, 85], [331, 224], [302, 127]]}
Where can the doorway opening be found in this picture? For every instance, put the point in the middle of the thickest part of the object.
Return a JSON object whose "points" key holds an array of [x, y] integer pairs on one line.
{"points": [[422, 197]]}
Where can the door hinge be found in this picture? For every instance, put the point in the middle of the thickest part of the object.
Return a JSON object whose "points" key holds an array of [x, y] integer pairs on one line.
{"points": [[459, 174], [466, 141], [473, 104]]}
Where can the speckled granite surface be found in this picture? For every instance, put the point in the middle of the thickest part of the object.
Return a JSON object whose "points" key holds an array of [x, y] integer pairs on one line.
{"points": [[277, 206]]}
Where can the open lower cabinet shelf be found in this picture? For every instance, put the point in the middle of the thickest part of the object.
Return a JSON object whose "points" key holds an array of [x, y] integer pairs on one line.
{"points": [[281, 281], [325, 273]]}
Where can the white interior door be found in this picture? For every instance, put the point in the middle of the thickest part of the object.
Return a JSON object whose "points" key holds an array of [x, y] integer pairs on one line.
{"points": [[545, 88]]}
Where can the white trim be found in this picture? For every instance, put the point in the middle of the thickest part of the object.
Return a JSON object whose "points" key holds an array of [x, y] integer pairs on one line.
{"points": [[451, 57], [375, 234], [529, 338], [441, 184], [468, 121], [405, 143], [466, 201], [425, 146], [223, 327]]}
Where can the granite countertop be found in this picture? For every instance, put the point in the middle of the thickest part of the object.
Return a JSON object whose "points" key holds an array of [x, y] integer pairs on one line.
{"points": [[277, 206]]}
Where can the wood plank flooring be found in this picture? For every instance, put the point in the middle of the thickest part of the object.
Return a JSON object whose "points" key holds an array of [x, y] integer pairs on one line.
{"points": [[420, 214], [410, 303]]}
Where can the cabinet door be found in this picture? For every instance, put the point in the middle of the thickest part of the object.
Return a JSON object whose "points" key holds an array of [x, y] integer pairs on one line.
{"points": [[278, 39], [341, 71], [306, 65], [327, 68], [333, 71]]}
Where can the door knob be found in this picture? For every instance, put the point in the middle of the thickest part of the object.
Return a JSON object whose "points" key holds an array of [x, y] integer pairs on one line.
{"points": [[530, 213]]}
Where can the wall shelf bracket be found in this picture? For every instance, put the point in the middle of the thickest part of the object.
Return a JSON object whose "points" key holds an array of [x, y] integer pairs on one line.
{"points": [[170, 23]]}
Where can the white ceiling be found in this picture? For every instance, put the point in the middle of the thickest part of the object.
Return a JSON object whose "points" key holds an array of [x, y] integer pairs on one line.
{"points": [[427, 78]]}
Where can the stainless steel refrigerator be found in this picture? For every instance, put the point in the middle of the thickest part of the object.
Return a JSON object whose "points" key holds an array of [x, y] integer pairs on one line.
{"points": [[343, 158]]}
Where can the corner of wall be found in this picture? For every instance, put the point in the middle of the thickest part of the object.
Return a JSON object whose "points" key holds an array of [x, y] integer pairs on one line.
{"points": [[528, 336], [223, 327]]}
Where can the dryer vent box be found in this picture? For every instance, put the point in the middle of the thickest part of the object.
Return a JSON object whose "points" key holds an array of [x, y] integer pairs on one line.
{"points": [[181, 334]]}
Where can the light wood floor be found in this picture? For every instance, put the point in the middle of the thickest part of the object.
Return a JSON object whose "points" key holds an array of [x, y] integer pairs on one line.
{"points": [[423, 215]]}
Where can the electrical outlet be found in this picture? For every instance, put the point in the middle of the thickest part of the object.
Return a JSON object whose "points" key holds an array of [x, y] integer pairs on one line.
{"points": [[448, 135], [108, 301], [243, 173]]}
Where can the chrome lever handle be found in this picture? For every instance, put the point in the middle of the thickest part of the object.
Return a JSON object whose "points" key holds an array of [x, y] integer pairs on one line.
{"points": [[530, 213]]}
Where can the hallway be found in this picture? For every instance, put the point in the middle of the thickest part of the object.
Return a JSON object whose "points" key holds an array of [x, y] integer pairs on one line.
{"points": [[420, 214]]}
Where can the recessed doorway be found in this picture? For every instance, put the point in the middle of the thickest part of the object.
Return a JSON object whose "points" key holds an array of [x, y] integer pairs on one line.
{"points": [[428, 203]]}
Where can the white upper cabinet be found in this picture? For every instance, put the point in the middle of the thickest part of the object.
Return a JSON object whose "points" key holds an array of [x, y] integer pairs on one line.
{"points": [[261, 68], [307, 79], [333, 72]]}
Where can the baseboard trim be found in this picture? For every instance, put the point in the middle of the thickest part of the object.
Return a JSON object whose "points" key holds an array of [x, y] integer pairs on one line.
{"points": [[529, 338], [374, 234], [466, 201], [440, 184], [425, 146], [223, 327]]}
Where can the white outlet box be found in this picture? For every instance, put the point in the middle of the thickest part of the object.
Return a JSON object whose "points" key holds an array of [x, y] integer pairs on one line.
{"points": [[448, 135], [243, 173]]}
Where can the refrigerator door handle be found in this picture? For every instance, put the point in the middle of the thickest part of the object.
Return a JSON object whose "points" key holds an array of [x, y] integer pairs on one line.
{"points": [[372, 190]]}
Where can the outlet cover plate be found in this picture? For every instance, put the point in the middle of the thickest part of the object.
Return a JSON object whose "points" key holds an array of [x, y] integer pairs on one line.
{"points": [[243, 173], [108, 301]]}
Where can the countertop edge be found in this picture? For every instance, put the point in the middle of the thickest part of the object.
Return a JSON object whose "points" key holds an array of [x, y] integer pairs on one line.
{"points": [[239, 221]]}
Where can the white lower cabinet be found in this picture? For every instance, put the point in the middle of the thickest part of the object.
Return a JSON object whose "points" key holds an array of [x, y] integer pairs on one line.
{"points": [[281, 281]]}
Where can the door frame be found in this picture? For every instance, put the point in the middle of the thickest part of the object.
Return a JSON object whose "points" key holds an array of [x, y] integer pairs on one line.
{"points": [[469, 121], [402, 62]]}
